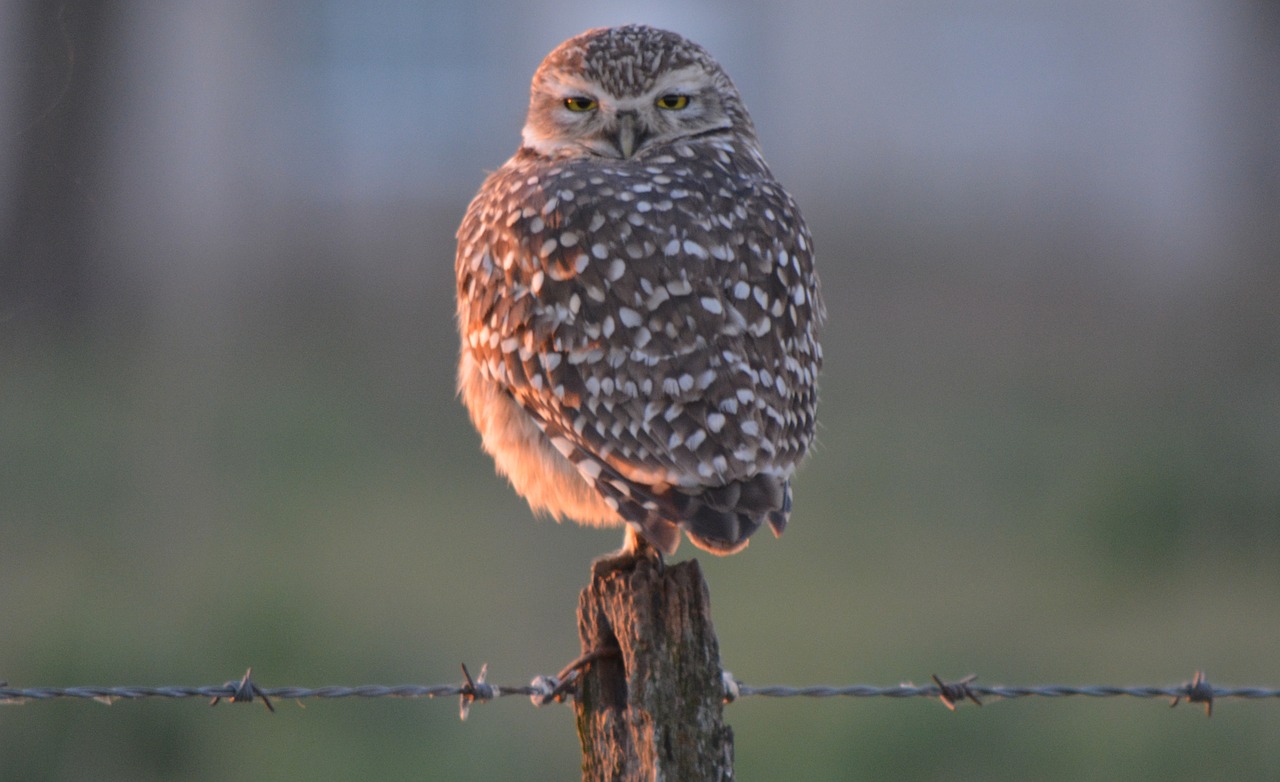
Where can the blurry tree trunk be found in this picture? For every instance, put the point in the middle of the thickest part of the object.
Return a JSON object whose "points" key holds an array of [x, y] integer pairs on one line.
{"points": [[655, 711], [55, 132]]}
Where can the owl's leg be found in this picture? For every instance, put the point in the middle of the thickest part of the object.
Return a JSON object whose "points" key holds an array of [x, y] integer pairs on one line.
{"points": [[633, 543], [634, 550]]}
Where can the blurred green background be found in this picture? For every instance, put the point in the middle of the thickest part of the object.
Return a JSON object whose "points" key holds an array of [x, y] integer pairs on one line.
{"points": [[1050, 422]]}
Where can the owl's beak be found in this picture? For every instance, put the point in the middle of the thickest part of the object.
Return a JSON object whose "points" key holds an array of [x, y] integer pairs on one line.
{"points": [[630, 135]]}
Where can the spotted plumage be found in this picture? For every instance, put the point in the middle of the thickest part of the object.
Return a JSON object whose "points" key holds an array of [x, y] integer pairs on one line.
{"points": [[637, 301]]}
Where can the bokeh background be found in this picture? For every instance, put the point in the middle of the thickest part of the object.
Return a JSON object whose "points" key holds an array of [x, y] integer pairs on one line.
{"points": [[1050, 450]]}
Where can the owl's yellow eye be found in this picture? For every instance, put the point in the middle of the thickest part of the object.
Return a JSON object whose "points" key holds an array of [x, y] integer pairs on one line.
{"points": [[672, 102], [580, 103]]}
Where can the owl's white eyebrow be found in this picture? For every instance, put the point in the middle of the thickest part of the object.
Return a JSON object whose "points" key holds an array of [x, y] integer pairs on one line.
{"points": [[570, 87], [684, 80]]}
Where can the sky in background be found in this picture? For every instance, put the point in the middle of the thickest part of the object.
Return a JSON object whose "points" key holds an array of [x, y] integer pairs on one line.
{"points": [[1152, 122]]}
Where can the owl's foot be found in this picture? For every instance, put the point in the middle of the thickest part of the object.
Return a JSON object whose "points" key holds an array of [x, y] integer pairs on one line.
{"points": [[635, 549]]}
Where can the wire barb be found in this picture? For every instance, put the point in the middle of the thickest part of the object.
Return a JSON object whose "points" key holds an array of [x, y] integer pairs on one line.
{"points": [[556, 688], [952, 693], [475, 690], [545, 689], [732, 691], [553, 689], [244, 691], [1197, 690]]}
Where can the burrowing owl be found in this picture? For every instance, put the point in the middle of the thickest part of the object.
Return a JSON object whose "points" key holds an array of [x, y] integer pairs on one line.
{"points": [[637, 301]]}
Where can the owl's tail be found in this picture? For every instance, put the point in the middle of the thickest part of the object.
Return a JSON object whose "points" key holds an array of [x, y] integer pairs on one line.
{"points": [[718, 519]]}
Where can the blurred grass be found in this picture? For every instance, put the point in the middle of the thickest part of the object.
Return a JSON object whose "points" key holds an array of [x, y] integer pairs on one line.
{"points": [[1036, 476]]}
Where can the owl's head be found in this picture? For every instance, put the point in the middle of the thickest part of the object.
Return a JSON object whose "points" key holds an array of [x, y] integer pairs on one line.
{"points": [[616, 92]]}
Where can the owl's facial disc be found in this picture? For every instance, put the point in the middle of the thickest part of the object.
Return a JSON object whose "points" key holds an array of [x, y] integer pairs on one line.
{"points": [[568, 113]]}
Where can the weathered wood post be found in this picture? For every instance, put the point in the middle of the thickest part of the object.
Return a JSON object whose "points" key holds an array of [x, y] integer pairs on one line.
{"points": [[655, 711]]}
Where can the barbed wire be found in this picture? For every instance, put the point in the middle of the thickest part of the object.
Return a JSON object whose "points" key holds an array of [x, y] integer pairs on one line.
{"points": [[546, 689]]}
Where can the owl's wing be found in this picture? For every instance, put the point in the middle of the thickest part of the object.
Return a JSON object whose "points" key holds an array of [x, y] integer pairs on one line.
{"points": [[668, 351]]}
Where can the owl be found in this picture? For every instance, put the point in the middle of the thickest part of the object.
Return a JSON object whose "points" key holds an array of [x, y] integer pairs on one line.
{"points": [[637, 302]]}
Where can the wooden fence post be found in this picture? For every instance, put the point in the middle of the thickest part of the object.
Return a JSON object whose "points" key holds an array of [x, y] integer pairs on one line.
{"points": [[656, 710]]}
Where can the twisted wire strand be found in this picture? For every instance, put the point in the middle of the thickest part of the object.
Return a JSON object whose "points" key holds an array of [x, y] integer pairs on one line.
{"points": [[546, 688], [1002, 692], [229, 691]]}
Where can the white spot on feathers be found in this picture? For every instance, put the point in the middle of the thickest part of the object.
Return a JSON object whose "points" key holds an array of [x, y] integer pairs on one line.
{"points": [[715, 422]]}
